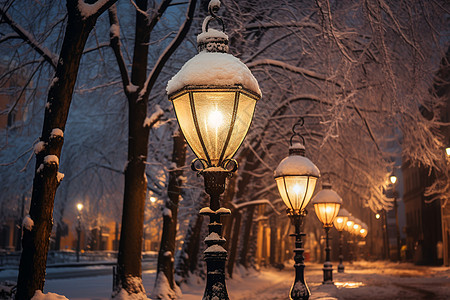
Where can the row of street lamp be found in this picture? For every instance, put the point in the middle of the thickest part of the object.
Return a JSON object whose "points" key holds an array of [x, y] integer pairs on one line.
{"points": [[214, 97]]}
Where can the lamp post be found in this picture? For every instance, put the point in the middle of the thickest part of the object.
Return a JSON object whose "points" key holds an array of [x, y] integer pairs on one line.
{"points": [[393, 180], [355, 232], [326, 205], [296, 177], [214, 97], [339, 223], [349, 228], [78, 228]]}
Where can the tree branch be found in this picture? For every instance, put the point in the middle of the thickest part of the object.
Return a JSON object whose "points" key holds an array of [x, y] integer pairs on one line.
{"points": [[27, 37], [182, 32], [114, 38]]}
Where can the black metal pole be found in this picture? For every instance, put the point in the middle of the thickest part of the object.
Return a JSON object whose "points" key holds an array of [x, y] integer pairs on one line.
{"points": [[327, 266], [78, 237], [397, 227], [299, 289], [215, 255], [386, 236], [341, 267]]}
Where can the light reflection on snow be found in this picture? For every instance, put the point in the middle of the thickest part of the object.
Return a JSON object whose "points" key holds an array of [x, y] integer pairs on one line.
{"points": [[348, 284]]}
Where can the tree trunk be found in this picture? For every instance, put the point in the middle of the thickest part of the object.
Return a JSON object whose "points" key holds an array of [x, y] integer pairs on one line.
{"points": [[187, 261], [234, 242], [246, 238], [170, 214], [35, 242]]}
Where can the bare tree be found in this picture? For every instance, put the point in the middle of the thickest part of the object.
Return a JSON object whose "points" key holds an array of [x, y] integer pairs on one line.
{"points": [[81, 19]]}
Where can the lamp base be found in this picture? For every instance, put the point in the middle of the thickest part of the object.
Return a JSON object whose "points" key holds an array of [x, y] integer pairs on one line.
{"points": [[327, 273]]}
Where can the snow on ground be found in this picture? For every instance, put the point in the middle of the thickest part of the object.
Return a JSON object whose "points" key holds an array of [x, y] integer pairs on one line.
{"points": [[361, 280]]}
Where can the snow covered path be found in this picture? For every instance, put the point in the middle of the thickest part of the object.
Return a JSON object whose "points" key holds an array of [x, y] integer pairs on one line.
{"points": [[361, 280]]}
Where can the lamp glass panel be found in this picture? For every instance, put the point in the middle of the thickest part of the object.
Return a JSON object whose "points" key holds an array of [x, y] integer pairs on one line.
{"points": [[363, 232], [327, 212], [214, 112], [356, 228], [340, 222], [245, 109], [349, 226], [183, 111], [296, 191]]}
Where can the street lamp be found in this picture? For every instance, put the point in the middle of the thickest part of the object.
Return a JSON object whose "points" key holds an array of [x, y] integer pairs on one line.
{"points": [[393, 180], [214, 97], [339, 223], [78, 228], [326, 205], [364, 230], [296, 178]]}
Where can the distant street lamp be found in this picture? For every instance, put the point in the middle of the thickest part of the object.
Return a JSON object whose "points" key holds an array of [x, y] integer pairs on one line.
{"points": [[78, 228], [339, 223], [393, 180], [377, 216], [326, 205], [214, 97], [364, 230], [447, 152], [296, 178]]}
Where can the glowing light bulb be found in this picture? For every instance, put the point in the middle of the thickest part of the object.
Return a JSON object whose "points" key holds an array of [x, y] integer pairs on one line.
{"points": [[153, 199], [447, 151], [79, 206], [328, 209], [297, 189], [339, 220], [377, 216], [215, 119]]}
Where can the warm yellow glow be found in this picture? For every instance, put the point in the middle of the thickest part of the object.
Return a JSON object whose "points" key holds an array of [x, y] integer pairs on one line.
{"points": [[326, 212], [79, 206], [363, 232], [215, 119], [447, 151], [356, 229], [153, 199], [350, 284], [340, 222], [349, 226], [377, 216], [393, 179], [296, 191]]}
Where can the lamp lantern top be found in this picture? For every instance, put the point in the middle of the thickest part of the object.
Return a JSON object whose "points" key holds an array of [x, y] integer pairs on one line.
{"points": [[214, 97], [296, 164], [327, 195], [393, 178], [296, 175]]}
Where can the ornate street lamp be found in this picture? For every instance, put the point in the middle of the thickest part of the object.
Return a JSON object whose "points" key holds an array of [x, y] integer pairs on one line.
{"points": [[356, 227], [296, 178], [364, 230], [214, 97], [79, 209], [326, 205], [339, 223]]}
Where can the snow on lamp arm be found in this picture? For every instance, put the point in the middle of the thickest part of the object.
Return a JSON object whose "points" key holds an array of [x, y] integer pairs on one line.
{"points": [[214, 97], [296, 178], [326, 205]]}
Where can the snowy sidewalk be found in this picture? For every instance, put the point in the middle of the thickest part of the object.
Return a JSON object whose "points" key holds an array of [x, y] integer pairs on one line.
{"points": [[361, 280]]}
